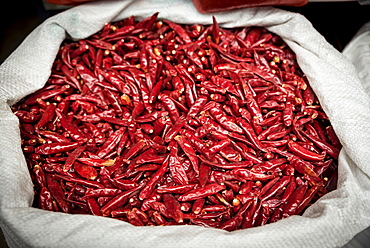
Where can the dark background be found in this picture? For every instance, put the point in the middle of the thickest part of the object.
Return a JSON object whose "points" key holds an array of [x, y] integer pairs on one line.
{"points": [[338, 22]]}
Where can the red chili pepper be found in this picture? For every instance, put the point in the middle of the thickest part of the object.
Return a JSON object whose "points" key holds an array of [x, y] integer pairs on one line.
{"points": [[248, 174], [225, 121], [176, 167], [175, 129], [110, 143], [81, 181], [170, 106], [189, 151], [149, 187], [249, 132], [75, 133], [72, 157], [179, 30], [331, 150], [45, 199], [294, 200], [173, 207], [104, 192], [47, 116], [119, 200], [54, 148], [303, 153], [58, 194], [201, 192]]}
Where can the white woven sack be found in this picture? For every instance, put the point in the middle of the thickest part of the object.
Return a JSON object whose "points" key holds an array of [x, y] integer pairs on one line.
{"points": [[331, 222]]}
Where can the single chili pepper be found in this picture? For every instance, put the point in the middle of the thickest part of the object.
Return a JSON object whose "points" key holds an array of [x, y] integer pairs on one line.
{"points": [[39, 175], [47, 116], [54, 148], [271, 129], [27, 117], [149, 187], [249, 214], [120, 200], [331, 150], [215, 31], [155, 91], [75, 133], [93, 206], [280, 184], [95, 193], [149, 156], [189, 151], [58, 194], [96, 162], [198, 205], [227, 54], [148, 167], [294, 201], [170, 106], [289, 190], [278, 135], [332, 137], [225, 121], [303, 153], [134, 150], [179, 30], [177, 189], [29, 128], [205, 223], [123, 31], [302, 166], [173, 207], [72, 157], [110, 143], [230, 154], [150, 117], [248, 174], [201, 192], [45, 199], [219, 146], [147, 23], [234, 165], [232, 224], [123, 184], [175, 166], [248, 130], [269, 165], [52, 136], [81, 181], [170, 135], [114, 101]]}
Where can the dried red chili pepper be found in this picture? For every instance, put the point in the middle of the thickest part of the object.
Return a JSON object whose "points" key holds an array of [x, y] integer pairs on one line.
{"points": [[201, 192], [54, 148], [119, 200]]}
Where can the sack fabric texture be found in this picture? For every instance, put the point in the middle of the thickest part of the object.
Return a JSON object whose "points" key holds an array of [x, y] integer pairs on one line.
{"points": [[331, 222]]}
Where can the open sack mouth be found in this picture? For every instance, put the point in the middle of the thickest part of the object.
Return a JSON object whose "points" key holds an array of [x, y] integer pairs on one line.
{"points": [[156, 123]]}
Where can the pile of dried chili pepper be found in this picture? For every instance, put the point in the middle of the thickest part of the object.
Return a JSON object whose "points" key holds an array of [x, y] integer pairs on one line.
{"points": [[156, 123]]}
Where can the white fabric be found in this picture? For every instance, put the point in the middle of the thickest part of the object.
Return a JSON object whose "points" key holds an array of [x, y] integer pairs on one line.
{"points": [[331, 222], [358, 51]]}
